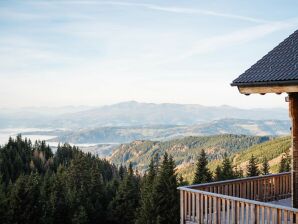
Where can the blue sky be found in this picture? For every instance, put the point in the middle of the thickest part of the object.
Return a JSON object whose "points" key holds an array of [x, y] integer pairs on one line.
{"points": [[55, 53]]}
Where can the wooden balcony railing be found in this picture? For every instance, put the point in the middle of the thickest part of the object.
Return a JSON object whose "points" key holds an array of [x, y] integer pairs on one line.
{"points": [[238, 201]]}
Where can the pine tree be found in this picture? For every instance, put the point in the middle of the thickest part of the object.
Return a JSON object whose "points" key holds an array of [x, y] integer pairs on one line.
{"points": [[58, 202], [4, 207], [265, 167], [285, 163], [123, 207], [252, 167], [80, 216], [122, 172], [202, 174], [165, 193], [227, 172], [97, 204], [181, 181], [146, 211], [25, 200], [218, 173], [238, 173]]}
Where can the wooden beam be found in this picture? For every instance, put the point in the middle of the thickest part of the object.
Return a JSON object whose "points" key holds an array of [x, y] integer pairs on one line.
{"points": [[293, 109], [268, 89]]}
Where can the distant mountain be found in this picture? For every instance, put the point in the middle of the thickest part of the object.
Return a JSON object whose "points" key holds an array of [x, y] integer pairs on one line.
{"points": [[243, 126], [135, 114], [35, 117], [128, 134], [129, 114]]}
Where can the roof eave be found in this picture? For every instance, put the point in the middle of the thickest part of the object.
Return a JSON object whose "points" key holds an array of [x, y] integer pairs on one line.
{"points": [[267, 83]]}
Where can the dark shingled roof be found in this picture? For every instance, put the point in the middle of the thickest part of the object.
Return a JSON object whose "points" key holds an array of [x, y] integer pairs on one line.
{"points": [[278, 67]]}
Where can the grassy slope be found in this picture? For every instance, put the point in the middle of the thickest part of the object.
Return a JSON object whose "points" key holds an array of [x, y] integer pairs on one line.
{"points": [[272, 149], [184, 151]]}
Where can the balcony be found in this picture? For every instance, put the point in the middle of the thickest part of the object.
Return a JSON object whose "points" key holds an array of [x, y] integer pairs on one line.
{"points": [[262, 199]]}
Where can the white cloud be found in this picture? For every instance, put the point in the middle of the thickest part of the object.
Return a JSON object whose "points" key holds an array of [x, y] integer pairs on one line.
{"points": [[170, 9], [219, 42]]}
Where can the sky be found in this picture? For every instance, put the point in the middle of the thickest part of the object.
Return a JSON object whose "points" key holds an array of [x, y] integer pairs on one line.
{"points": [[93, 52]]}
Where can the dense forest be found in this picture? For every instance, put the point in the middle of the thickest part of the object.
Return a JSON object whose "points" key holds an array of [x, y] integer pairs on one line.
{"points": [[70, 186]]}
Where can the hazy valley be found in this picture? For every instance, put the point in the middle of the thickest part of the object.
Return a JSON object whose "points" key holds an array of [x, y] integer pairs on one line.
{"points": [[100, 130]]}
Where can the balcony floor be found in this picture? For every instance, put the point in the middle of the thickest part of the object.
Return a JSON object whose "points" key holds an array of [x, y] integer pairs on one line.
{"points": [[284, 202]]}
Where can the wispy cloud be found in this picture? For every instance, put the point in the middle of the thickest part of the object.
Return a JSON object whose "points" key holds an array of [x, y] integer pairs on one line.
{"points": [[219, 42], [168, 9], [182, 10], [111, 53]]}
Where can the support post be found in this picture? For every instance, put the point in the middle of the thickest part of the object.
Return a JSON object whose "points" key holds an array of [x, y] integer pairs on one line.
{"points": [[293, 109]]}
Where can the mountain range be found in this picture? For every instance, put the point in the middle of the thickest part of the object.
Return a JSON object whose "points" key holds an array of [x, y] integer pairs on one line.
{"points": [[127, 134], [130, 114]]}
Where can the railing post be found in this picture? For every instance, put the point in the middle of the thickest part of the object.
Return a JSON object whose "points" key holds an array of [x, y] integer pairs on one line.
{"points": [[181, 207], [253, 214]]}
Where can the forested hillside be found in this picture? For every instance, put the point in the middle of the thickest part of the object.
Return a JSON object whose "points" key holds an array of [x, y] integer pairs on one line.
{"points": [[272, 150], [37, 186], [184, 151]]}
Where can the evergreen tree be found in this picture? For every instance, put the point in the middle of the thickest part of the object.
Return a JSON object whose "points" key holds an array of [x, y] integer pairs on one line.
{"points": [[202, 174], [122, 172], [146, 213], [25, 200], [123, 207], [252, 167], [181, 181], [265, 167], [4, 207], [285, 163], [58, 203], [80, 216], [97, 203], [165, 193], [227, 172], [218, 173], [238, 173]]}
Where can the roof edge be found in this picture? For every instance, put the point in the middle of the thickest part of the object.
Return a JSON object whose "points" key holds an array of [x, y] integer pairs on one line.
{"points": [[267, 83]]}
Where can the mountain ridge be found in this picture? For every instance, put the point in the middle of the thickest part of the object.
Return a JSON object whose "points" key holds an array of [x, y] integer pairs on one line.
{"points": [[132, 113]]}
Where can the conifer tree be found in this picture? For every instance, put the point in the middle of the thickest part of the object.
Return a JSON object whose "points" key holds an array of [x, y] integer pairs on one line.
{"points": [[238, 173], [265, 167], [202, 174], [57, 199], [218, 173], [146, 213], [181, 181], [227, 172], [80, 216], [122, 172], [25, 200], [165, 193], [123, 207], [252, 167], [4, 208], [285, 163]]}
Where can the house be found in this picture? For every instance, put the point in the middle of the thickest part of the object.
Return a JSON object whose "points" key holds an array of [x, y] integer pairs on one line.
{"points": [[264, 199]]}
